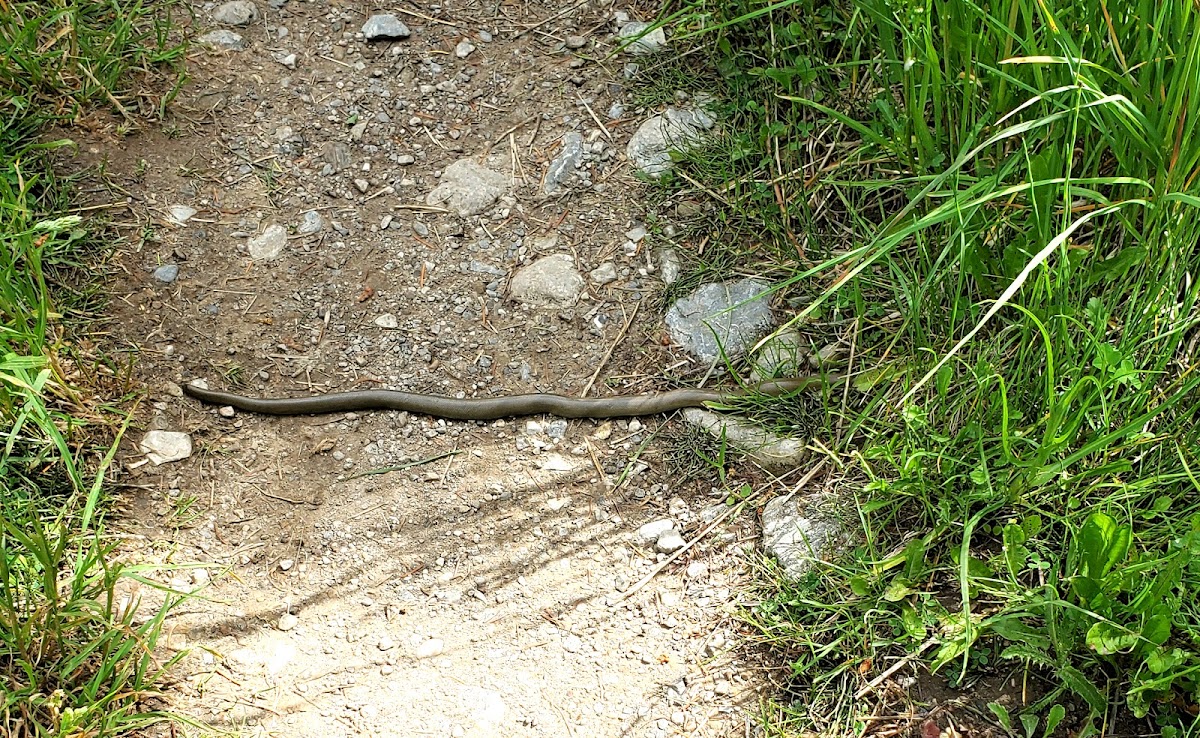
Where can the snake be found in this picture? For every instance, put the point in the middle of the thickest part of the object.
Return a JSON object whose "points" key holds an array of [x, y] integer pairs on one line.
{"points": [[495, 408]]}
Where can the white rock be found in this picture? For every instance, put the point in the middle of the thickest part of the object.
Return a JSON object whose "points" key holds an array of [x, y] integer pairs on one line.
{"points": [[235, 13], [387, 321], [430, 648], [606, 273], [697, 570], [386, 644], [268, 245], [572, 643], [676, 129], [774, 453], [287, 60], [801, 531], [670, 542], [180, 214], [551, 280], [384, 26], [222, 39], [648, 43], [720, 319], [650, 532], [286, 564], [468, 188], [464, 49], [162, 447], [287, 621]]}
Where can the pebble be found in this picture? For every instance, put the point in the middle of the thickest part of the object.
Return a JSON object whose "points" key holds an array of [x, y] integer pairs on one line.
{"points": [[563, 165], [572, 644], [287, 621], [669, 542], [696, 570], [575, 42], [650, 532], [430, 648], [551, 280], [269, 245], [720, 319], [406, 159], [223, 39], [162, 446], [362, 185], [386, 644], [651, 145], [648, 43], [312, 223], [557, 429], [167, 273], [286, 564], [235, 13], [387, 321], [384, 26], [464, 49], [180, 214], [226, 411], [723, 686]]}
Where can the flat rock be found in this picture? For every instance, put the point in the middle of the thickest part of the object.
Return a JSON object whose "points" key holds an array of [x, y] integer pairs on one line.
{"points": [[551, 280], [235, 13], [222, 39], [430, 648], [312, 223], [669, 265], [180, 214], [669, 542], [468, 188], [647, 42], [166, 273], [287, 621], [384, 26], [606, 273], [162, 447], [677, 129], [563, 165], [799, 532], [650, 532], [268, 245], [718, 318], [464, 49], [773, 453]]}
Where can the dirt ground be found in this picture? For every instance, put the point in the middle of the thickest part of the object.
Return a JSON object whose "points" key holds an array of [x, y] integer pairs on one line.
{"points": [[485, 590]]}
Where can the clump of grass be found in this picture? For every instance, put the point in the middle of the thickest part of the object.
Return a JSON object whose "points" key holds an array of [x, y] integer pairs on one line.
{"points": [[1018, 182], [74, 659]]}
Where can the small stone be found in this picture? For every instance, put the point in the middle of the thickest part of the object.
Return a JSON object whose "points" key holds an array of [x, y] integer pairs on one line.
{"points": [[464, 49], [572, 643], [222, 39], [650, 532], [269, 245], [226, 411], [287, 60], [575, 42], [774, 453], [286, 564], [362, 185], [563, 165], [723, 687], [166, 273], [669, 266], [235, 13], [720, 319], [551, 280], [387, 321], [557, 429], [647, 41], [669, 542], [696, 570], [676, 129], [180, 214], [358, 130], [430, 648], [386, 644], [287, 621], [604, 274], [312, 223], [801, 531], [337, 154], [162, 446], [384, 26], [468, 188]]}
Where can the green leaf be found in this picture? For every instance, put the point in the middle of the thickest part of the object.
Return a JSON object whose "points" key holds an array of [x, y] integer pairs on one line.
{"points": [[1102, 543], [898, 590], [914, 626], [859, 586], [1001, 713], [1107, 638], [1029, 722], [1160, 660], [1084, 688], [1056, 715]]}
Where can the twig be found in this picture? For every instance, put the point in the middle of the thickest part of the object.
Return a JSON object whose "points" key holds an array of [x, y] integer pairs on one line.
{"points": [[608, 354], [431, 19], [872, 685], [401, 467]]}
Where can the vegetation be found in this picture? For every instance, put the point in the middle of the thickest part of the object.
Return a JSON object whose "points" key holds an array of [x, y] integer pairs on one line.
{"points": [[995, 205], [75, 658]]}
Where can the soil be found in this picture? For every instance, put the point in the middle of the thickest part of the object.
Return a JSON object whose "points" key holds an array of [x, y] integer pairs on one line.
{"points": [[487, 588]]}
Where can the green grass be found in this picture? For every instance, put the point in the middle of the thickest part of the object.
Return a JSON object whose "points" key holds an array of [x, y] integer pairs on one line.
{"points": [[1020, 182], [75, 659]]}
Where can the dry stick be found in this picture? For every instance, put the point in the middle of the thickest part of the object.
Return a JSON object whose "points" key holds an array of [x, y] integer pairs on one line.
{"points": [[608, 354], [700, 536], [872, 685]]}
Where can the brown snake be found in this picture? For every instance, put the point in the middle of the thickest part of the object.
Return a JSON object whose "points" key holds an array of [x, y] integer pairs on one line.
{"points": [[502, 407]]}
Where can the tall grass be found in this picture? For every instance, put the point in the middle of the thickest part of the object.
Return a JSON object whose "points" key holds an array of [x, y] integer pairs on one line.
{"points": [[1020, 180], [74, 659]]}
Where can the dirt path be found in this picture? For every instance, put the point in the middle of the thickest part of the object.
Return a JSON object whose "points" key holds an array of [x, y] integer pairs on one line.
{"points": [[480, 593]]}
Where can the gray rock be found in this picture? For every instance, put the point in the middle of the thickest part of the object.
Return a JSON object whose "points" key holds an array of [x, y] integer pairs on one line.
{"points": [[338, 155], [468, 188], [669, 266], [784, 355], [387, 321], [720, 317], [604, 274], [235, 13], [647, 42], [676, 129], [362, 185], [286, 59], [616, 110], [167, 273], [669, 542], [696, 570], [386, 644], [312, 223], [269, 245], [180, 214], [551, 280], [557, 429], [575, 42], [287, 621], [222, 39], [464, 49], [800, 531], [406, 159], [162, 446], [774, 453], [384, 26], [563, 165], [650, 532]]}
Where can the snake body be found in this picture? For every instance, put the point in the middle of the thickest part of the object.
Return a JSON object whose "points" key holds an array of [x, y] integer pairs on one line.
{"points": [[499, 407]]}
